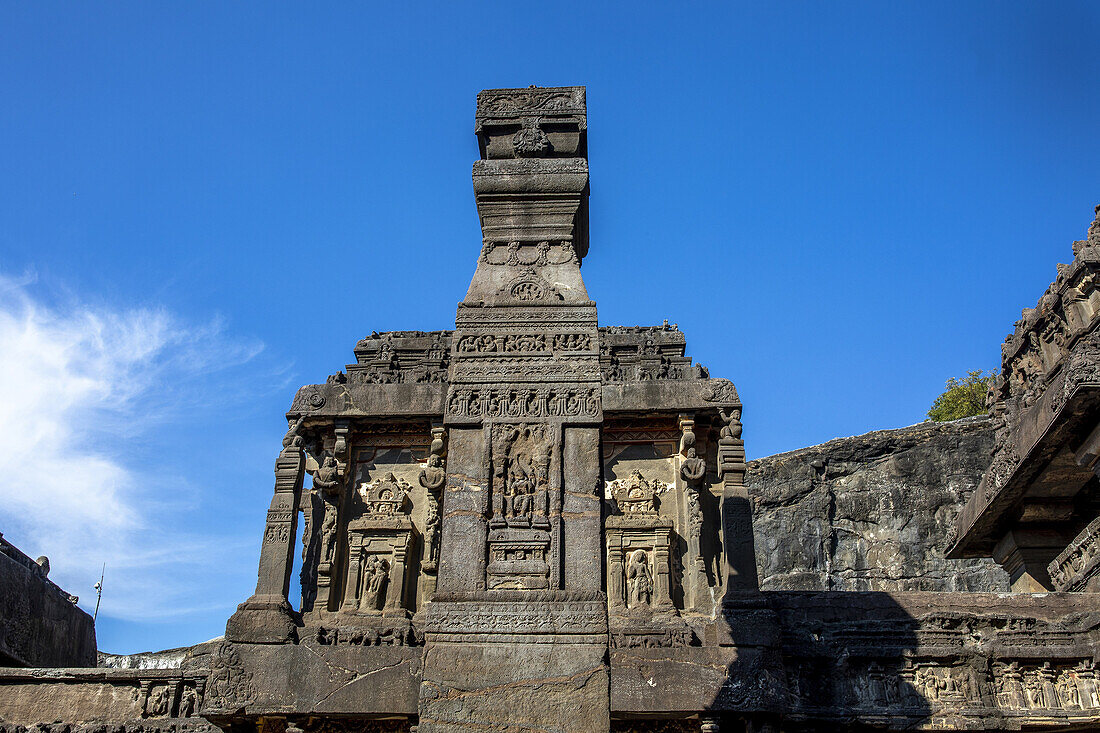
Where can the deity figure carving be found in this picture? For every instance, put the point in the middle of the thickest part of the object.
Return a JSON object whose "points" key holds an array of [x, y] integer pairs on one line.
{"points": [[386, 496], [188, 702], [432, 478], [731, 422], [635, 494], [692, 468], [521, 475], [1068, 692], [1085, 676], [639, 580], [158, 702], [328, 533], [375, 574], [517, 500], [292, 438], [327, 476], [1010, 687], [431, 535], [1036, 695]]}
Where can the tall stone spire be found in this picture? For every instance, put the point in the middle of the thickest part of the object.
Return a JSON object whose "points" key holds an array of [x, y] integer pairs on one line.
{"points": [[531, 187], [520, 600]]}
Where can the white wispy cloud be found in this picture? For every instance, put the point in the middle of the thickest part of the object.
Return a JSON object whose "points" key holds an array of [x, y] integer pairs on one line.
{"points": [[79, 383]]}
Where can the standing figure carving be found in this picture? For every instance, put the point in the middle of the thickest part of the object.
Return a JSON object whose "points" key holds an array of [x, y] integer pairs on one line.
{"points": [[158, 702], [375, 575], [692, 470], [328, 533], [639, 580], [188, 703], [432, 478]]}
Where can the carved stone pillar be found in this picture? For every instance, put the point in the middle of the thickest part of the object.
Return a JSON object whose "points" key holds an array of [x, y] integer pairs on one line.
{"points": [[616, 571], [691, 473], [465, 507], [433, 477], [266, 617], [355, 564], [519, 601], [736, 508]]}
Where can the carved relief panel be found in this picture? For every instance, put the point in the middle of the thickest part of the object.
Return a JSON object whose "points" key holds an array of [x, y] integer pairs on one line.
{"points": [[639, 540], [524, 501], [370, 528], [666, 453], [1022, 686], [379, 542]]}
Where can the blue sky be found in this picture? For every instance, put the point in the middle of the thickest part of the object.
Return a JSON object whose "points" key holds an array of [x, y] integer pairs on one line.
{"points": [[205, 205]]}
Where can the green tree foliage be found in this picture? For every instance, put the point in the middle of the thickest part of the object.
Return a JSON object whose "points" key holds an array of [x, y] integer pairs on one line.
{"points": [[963, 397]]}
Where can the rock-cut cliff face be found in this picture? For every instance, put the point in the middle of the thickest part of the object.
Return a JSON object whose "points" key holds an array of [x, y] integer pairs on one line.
{"points": [[872, 512]]}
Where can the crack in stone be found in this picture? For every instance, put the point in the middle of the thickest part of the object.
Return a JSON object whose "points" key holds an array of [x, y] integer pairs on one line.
{"points": [[358, 676]]}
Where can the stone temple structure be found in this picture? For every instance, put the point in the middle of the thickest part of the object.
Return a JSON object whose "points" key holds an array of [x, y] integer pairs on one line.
{"points": [[535, 523]]}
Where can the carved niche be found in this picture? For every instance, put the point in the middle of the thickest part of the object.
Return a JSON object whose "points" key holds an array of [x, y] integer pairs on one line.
{"points": [[379, 543], [639, 541], [522, 502]]}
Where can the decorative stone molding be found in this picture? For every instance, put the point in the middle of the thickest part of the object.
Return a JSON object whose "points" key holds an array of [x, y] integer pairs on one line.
{"points": [[523, 402], [1077, 568]]}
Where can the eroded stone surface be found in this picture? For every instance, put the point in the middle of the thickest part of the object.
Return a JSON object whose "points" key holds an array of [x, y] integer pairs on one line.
{"points": [[872, 512]]}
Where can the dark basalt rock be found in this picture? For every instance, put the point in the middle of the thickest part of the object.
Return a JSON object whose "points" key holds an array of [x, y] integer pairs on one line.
{"points": [[40, 624], [872, 512]]}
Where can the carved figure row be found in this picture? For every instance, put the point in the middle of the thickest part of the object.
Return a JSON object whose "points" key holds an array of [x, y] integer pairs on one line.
{"points": [[393, 635], [146, 725], [1046, 687], [652, 639], [172, 699], [392, 374], [523, 342], [665, 368], [498, 369], [543, 402], [1013, 686]]}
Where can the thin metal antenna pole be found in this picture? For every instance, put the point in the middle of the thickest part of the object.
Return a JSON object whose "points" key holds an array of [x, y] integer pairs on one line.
{"points": [[99, 591]]}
